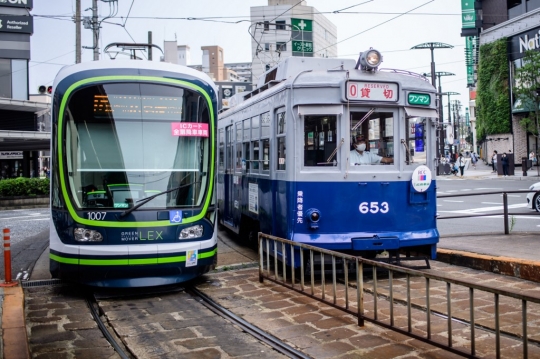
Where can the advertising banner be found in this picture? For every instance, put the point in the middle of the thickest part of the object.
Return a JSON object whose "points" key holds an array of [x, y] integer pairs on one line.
{"points": [[17, 3], [19, 24]]}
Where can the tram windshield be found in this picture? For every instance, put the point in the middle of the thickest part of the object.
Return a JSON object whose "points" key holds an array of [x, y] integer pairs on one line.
{"points": [[128, 141], [372, 138]]}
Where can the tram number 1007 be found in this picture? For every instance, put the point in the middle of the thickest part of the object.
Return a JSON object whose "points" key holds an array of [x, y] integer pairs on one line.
{"points": [[373, 207], [96, 216]]}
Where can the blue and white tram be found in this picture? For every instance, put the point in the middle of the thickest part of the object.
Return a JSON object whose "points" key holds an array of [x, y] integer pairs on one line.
{"points": [[288, 166], [133, 174]]}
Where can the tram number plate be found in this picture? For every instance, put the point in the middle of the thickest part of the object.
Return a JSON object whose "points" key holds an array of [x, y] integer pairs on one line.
{"points": [[96, 216], [373, 207]]}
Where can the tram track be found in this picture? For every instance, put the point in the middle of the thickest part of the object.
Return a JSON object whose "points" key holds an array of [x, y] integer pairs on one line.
{"points": [[99, 301]]}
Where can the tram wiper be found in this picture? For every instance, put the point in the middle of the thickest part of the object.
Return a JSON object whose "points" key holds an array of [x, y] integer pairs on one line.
{"points": [[143, 201]]}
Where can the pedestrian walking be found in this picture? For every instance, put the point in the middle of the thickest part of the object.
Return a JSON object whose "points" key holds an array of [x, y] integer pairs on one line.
{"points": [[461, 164], [504, 161], [494, 161], [474, 159], [532, 157]]}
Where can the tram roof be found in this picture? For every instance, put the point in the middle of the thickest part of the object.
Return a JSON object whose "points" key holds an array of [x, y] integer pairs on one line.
{"points": [[131, 64]]}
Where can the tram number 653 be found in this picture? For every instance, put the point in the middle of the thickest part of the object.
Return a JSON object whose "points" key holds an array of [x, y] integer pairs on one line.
{"points": [[96, 216], [373, 207]]}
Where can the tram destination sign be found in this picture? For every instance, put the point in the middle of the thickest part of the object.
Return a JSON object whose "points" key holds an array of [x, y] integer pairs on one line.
{"points": [[372, 91], [422, 99]]}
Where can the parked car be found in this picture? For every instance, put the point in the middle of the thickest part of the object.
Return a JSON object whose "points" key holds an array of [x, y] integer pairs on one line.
{"points": [[533, 198]]}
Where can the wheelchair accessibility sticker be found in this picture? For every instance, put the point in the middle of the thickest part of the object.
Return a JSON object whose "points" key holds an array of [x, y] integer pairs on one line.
{"points": [[191, 258], [175, 216]]}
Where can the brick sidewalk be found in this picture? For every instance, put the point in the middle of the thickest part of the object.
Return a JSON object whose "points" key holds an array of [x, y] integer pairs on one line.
{"points": [[321, 331]]}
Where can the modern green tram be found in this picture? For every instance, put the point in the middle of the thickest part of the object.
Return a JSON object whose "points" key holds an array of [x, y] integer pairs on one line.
{"points": [[133, 174]]}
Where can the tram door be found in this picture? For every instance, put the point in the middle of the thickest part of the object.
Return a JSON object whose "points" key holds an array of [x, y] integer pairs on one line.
{"points": [[229, 175]]}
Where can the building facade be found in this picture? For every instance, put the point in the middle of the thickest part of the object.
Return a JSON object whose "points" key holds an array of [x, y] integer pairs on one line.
{"points": [[518, 21], [23, 120], [286, 28]]}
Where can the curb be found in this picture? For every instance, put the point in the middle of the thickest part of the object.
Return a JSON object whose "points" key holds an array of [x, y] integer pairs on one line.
{"points": [[14, 336], [513, 267]]}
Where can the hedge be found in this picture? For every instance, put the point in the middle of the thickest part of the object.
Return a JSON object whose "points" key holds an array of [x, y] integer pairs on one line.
{"points": [[22, 186]]}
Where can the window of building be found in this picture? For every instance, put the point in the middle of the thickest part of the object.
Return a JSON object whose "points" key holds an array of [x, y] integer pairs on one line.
{"points": [[280, 25], [266, 25], [5, 78], [267, 46], [281, 46]]}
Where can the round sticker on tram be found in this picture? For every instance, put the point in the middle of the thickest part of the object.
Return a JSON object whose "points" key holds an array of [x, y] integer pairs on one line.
{"points": [[421, 179]]}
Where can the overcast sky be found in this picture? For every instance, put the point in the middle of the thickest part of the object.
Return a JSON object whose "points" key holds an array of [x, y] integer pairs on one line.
{"points": [[361, 24]]}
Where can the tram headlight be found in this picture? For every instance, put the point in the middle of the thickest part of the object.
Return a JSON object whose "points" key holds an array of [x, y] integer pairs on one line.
{"points": [[87, 235], [191, 232], [369, 60], [313, 216]]}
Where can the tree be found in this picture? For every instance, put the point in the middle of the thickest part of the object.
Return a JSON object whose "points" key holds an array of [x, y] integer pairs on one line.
{"points": [[527, 92]]}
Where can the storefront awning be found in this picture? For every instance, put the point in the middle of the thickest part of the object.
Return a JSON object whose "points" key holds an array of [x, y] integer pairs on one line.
{"points": [[421, 112], [25, 141]]}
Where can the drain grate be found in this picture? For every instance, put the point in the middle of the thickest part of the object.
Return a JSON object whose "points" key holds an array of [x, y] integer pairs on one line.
{"points": [[41, 283]]}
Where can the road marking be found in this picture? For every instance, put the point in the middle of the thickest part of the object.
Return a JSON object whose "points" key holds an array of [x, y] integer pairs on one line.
{"points": [[37, 219], [488, 188], [464, 190], [490, 202], [452, 190], [486, 209], [448, 200], [2, 219]]}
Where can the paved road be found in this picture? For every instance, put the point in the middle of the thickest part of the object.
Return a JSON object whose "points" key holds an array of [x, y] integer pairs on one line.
{"points": [[484, 205]]}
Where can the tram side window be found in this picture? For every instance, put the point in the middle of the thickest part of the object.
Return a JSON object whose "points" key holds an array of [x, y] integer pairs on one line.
{"points": [[320, 140], [377, 128], [281, 144], [238, 147], [221, 163], [416, 140], [266, 154], [265, 141], [230, 146], [254, 156]]}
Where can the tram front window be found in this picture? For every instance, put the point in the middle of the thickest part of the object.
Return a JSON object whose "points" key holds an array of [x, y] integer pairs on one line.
{"points": [[320, 140], [125, 142], [372, 138]]}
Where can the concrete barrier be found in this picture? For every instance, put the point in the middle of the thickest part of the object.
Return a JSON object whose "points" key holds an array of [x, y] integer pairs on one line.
{"points": [[24, 202]]}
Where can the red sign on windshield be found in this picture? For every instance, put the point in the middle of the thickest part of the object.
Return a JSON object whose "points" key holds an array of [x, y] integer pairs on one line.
{"points": [[189, 129]]}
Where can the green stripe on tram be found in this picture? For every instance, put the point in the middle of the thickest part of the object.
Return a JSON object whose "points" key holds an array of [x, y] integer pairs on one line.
{"points": [[127, 262], [144, 79]]}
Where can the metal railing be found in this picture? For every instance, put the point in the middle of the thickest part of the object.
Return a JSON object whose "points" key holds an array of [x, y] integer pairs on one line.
{"points": [[505, 212], [350, 296]]}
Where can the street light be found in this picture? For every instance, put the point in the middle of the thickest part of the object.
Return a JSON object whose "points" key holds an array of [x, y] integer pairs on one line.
{"points": [[440, 74], [450, 93], [432, 46]]}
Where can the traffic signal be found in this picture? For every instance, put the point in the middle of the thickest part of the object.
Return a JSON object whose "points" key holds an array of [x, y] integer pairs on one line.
{"points": [[42, 89]]}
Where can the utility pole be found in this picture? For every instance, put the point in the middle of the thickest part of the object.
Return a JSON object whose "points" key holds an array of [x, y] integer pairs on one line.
{"points": [[78, 31], [95, 29], [149, 47]]}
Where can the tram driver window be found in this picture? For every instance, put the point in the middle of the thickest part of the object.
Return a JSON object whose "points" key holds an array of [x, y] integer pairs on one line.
{"points": [[377, 129], [320, 140]]}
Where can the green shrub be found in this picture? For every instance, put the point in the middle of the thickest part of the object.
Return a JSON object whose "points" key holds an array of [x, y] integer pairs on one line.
{"points": [[22, 186]]}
